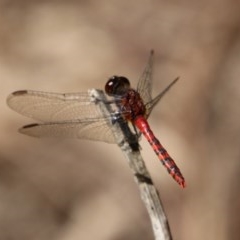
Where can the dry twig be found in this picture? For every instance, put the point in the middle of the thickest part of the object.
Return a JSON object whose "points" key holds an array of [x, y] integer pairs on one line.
{"points": [[142, 177]]}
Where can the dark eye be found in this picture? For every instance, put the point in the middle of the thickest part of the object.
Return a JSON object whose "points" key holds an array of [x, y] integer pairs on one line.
{"points": [[117, 85]]}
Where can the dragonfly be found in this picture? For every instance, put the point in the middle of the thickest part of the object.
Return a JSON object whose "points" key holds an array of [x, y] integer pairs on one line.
{"points": [[77, 115]]}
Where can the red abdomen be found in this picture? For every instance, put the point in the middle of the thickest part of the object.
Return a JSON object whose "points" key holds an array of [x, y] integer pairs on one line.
{"points": [[143, 126]]}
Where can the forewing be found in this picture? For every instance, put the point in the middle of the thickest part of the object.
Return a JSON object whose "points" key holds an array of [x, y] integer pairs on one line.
{"points": [[91, 130], [51, 107], [145, 82]]}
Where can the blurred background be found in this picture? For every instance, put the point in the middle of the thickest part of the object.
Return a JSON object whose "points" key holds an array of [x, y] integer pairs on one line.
{"points": [[74, 189]]}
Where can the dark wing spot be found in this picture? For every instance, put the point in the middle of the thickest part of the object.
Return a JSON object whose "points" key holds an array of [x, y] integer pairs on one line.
{"points": [[19, 93], [31, 125]]}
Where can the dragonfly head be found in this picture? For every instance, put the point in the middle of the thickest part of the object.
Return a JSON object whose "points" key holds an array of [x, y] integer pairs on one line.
{"points": [[117, 85]]}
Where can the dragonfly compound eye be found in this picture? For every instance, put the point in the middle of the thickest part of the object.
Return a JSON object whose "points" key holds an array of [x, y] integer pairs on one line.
{"points": [[117, 85]]}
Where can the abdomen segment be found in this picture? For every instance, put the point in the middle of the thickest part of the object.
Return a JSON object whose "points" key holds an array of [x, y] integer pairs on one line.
{"points": [[143, 126]]}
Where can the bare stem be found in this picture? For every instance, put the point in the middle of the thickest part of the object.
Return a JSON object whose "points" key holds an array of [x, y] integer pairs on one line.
{"points": [[148, 192]]}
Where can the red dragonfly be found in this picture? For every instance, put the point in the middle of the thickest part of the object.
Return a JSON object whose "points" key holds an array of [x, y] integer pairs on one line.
{"points": [[76, 115]]}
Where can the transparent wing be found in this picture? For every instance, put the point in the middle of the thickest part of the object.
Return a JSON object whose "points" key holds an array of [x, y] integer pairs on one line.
{"points": [[91, 130], [150, 105], [52, 107], [145, 82]]}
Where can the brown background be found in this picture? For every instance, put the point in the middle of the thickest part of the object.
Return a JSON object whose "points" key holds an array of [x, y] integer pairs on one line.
{"points": [[72, 189]]}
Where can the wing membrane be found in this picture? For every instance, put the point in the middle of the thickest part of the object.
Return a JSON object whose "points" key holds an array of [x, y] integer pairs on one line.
{"points": [[91, 130], [51, 107], [150, 105], [145, 82]]}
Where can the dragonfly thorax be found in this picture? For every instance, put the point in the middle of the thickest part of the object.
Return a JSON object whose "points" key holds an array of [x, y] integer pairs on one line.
{"points": [[132, 105], [117, 86], [128, 101]]}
